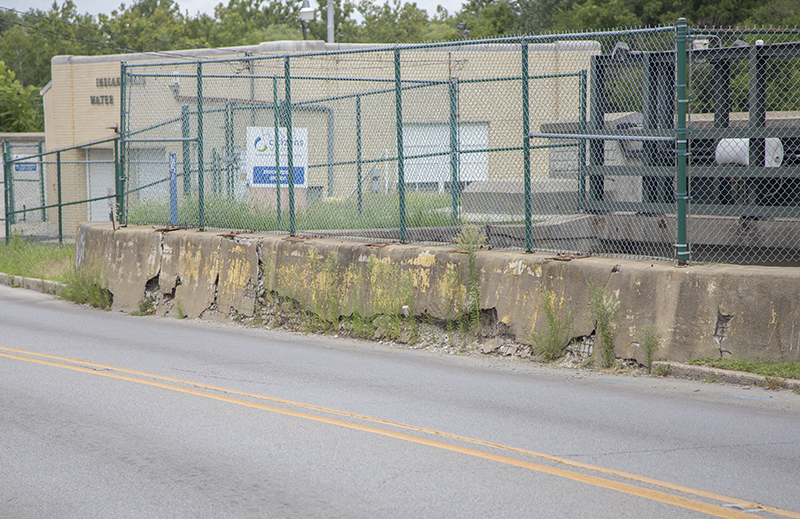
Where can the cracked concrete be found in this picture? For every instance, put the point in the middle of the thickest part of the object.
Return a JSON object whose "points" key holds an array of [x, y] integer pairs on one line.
{"points": [[219, 275]]}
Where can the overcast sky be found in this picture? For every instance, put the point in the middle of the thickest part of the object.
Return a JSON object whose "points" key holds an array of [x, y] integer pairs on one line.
{"points": [[193, 6]]}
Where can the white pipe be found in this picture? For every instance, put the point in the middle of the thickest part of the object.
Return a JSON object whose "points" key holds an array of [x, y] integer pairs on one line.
{"points": [[330, 22]]}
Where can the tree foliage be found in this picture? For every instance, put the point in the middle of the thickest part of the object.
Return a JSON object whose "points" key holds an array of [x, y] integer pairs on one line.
{"points": [[20, 106], [28, 40]]}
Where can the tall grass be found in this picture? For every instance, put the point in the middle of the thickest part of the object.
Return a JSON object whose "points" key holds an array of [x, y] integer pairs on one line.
{"points": [[423, 209], [21, 257], [86, 289]]}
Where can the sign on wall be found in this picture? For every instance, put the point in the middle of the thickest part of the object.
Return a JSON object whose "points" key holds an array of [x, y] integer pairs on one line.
{"points": [[260, 159], [26, 165]]}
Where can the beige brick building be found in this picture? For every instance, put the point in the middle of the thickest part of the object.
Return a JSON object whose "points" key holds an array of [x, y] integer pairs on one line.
{"points": [[345, 99]]}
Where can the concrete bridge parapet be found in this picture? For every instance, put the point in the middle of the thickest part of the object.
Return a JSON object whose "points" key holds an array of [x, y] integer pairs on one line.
{"points": [[749, 313]]}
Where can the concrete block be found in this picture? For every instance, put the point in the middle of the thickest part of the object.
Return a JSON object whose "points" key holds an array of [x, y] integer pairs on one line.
{"points": [[191, 270], [123, 259]]}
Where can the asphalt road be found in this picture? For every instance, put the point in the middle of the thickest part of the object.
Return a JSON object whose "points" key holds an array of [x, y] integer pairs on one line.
{"points": [[109, 415]]}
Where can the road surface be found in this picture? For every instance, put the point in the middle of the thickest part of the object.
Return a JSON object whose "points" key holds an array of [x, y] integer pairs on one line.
{"points": [[108, 415]]}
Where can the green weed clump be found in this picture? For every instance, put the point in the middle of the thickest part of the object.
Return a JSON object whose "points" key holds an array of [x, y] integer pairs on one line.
{"points": [[551, 343], [649, 341], [469, 241], [147, 306], [602, 308], [86, 289]]}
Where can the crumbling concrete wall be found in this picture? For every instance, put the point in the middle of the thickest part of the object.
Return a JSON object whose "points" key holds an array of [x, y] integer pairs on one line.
{"points": [[703, 311]]}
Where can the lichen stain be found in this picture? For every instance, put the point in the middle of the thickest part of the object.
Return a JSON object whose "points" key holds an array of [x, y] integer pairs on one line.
{"points": [[516, 267], [420, 279], [426, 259]]}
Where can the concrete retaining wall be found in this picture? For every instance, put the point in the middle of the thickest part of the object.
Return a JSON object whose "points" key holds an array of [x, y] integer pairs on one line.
{"points": [[749, 312]]}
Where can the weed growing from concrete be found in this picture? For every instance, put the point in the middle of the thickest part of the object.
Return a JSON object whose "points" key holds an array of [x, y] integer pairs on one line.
{"points": [[773, 383], [663, 370], [179, 309], [602, 308], [551, 343], [147, 306], [86, 289], [649, 341], [469, 241]]}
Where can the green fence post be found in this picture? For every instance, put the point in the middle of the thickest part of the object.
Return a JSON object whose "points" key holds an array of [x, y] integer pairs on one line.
{"points": [[359, 180], [11, 217], [276, 107], [41, 184], [681, 144], [6, 174], [119, 186], [122, 215], [228, 149], [60, 207], [454, 146], [186, 133], [526, 148], [289, 144], [401, 174], [200, 179], [582, 145]]}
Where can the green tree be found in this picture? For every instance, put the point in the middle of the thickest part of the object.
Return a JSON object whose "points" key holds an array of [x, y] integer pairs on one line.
{"points": [[20, 106], [146, 26], [490, 18], [392, 22], [345, 27], [249, 22], [536, 16]]}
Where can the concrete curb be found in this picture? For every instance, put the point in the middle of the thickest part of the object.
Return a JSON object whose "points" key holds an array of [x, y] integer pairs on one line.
{"points": [[40, 285], [703, 373]]}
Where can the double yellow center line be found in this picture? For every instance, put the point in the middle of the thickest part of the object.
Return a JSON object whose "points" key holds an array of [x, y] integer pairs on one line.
{"points": [[627, 483]]}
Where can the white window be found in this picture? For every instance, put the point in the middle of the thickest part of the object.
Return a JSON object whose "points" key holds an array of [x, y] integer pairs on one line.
{"points": [[434, 138], [148, 171]]}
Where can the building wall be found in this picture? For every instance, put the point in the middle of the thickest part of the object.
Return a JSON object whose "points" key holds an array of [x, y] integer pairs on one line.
{"points": [[83, 104]]}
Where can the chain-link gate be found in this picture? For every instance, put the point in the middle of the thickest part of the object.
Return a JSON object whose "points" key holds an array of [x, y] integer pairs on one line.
{"points": [[49, 193], [638, 143]]}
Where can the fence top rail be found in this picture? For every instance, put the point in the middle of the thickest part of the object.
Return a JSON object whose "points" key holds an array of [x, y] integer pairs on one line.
{"points": [[599, 137], [282, 76], [469, 44], [45, 153]]}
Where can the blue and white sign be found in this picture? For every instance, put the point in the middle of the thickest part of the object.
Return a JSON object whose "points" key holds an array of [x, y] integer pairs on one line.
{"points": [[25, 165], [260, 157]]}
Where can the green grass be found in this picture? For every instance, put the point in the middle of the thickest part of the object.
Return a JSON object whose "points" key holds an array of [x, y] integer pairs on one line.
{"points": [[378, 211], [766, 369], [21, 257]]}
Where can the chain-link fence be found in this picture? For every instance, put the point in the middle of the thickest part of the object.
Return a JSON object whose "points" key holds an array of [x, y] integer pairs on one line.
{"points": [[23, 184], [662, 143], [745, 138], [49, 193]]}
